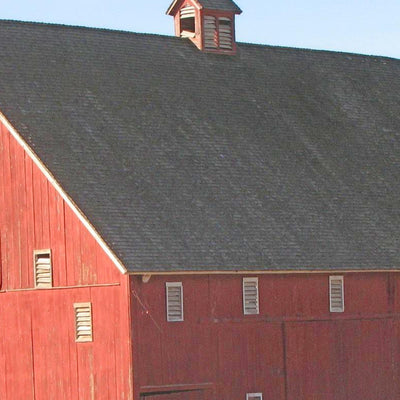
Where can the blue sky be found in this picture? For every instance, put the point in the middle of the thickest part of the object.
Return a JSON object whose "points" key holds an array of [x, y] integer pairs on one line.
{"points": [[358, 26]]}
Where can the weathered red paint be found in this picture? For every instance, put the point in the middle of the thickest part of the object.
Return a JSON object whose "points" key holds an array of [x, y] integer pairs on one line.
{"points": [[295, 349], [39, 358]]}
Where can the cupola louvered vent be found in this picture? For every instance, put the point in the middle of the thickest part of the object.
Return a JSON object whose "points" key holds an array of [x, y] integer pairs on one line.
{"points": [[250, 296], [225, 33], [187, 12], [210, 32], [174, 293], [187, 16], [218, 33], [43, 269], [83, 322], [336, 293]]}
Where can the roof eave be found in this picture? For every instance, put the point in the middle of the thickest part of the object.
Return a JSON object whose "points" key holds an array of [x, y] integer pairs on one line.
{"points": [[260, 271]]}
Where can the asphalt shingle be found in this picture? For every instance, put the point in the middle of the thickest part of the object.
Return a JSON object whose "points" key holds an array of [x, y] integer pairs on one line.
{"points": [[222, 5], [272, 159]]}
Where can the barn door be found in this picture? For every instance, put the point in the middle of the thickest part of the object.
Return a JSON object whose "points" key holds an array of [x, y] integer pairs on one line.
{"points": [[182, 395]]}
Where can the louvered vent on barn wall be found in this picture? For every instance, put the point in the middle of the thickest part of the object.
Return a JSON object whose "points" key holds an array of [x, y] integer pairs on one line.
{"points": [[174, 299], [254, 396], [336, 293], [83, 322], [43, 269], [250, 296]]}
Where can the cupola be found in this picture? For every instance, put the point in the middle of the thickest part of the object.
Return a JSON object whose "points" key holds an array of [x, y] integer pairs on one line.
{"points": [[209, 24]]}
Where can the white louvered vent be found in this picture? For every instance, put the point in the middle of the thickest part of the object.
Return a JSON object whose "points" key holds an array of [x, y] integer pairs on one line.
{"points": [[336, 293], [83, 322], [254, 396], [188, 15], [225, 33], [188, 12], [42, 268], [174, 293], [250, 296], [210, 32]]}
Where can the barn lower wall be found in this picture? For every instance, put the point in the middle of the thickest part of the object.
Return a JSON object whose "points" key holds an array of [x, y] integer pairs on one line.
{"points": [[295, 349], [39, 357]]}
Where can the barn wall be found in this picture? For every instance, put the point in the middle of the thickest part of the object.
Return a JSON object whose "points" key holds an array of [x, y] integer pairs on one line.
{"points": [[295, 349], [39, 358]]}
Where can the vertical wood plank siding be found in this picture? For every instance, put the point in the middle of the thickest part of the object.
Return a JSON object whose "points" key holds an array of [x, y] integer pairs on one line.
{"points": [[295, 349], [39, 358]]}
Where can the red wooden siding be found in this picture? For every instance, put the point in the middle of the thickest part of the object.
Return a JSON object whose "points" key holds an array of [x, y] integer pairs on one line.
{"points": [[39, 358], [295, 349]]}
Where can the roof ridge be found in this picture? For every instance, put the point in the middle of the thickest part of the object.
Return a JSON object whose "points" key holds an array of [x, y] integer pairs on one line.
{"points": [[308, 49], [173, 37], [81, 27]]}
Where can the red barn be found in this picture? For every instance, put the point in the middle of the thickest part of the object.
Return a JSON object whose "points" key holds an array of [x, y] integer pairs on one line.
{"points": [[194, 218]]}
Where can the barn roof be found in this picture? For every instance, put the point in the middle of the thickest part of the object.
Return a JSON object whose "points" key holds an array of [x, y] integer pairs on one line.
{"points": [[271, 159]]}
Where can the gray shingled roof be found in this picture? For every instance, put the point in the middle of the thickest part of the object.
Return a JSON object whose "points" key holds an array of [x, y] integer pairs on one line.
{"points": [[275, 158], [223, 5]]}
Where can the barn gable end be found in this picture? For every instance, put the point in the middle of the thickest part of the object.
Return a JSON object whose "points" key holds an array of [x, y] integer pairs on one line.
{"points": [[37, 320]]}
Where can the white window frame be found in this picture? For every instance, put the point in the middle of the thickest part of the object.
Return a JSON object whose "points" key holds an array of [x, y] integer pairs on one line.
{"points": [[332, 308], [173, 285], [254, 396], [251, 280]]}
